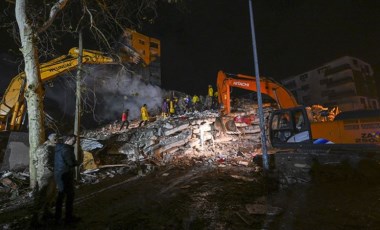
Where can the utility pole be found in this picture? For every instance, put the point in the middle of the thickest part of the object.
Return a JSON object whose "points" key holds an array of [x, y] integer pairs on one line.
{"points": [[259, 98], [78, 107]]}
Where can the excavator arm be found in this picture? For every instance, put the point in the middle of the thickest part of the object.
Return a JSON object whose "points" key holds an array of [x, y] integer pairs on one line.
{"points": [[136, 48], [12, 105], [275, 90]]}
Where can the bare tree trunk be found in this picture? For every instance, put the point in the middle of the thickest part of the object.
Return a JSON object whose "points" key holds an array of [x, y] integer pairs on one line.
{"points": [[78, 108], [33, 91]]}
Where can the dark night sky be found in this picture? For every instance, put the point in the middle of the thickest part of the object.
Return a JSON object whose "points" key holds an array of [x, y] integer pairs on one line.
{"points": [[292, 37]]}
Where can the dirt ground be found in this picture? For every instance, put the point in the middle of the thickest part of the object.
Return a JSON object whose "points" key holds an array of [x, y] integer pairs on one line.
{"points": [[206, 197]]}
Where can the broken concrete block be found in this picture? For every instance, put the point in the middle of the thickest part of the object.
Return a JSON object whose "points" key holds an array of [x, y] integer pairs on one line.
{"points": [[150, 149], [168, 126], [171, 145], [245, 163], [176, 129], [147, 142], [131, 151], [17, 152], [90, 144]]}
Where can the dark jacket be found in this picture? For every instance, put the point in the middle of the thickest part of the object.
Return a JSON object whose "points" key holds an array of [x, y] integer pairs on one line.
{"points": [[64, 160]]}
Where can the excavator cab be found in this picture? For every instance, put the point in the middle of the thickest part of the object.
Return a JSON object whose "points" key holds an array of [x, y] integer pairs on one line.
{"points": [[289, 127]]}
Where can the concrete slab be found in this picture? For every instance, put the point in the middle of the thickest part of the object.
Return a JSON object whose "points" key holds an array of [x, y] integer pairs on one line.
{"points": [[17, 152]]}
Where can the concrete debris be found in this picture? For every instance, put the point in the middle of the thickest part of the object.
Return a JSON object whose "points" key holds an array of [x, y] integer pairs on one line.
{"points": [[180, 141], [90, 144], [16, 155], [11, 182]]}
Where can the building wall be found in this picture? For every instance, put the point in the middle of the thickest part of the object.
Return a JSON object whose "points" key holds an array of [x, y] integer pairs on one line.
{"points": [[347, 82]]}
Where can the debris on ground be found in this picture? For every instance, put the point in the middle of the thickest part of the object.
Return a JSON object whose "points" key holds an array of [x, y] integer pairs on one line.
{"points": [[177, 141]]}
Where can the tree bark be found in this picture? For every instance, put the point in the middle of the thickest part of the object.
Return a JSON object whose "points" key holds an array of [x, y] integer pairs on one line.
{"points": [[78, 105], [33, 91]]}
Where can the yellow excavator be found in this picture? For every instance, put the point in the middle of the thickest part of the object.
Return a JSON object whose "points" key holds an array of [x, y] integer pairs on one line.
{"points": [[293, 125], [12, 105]]}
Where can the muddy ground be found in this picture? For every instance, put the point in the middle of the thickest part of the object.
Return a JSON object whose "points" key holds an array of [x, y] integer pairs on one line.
{"points": [[207, 197]]}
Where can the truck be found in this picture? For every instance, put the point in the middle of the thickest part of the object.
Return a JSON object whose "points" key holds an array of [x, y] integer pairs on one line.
{"points": [[293, 126], [137, 48]]}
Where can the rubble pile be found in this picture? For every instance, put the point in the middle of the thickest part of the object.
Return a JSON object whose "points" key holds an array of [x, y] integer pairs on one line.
{"points": [[13, 185], [322, 114], [180, 141]]}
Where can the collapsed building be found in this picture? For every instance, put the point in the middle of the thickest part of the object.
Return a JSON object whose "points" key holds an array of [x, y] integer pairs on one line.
{"points": [[183, 140]]}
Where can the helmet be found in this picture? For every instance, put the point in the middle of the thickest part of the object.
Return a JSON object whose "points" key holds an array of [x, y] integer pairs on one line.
{"points": [[209, 86]]}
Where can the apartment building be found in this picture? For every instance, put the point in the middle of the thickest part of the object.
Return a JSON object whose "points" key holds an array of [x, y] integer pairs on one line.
{"points": [[347, 82]]}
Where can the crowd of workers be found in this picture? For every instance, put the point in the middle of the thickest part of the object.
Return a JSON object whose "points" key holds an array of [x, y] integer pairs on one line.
{"points": [[177, 106]]}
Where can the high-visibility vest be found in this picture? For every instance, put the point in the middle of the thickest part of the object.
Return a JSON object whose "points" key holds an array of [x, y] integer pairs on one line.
{"points": [[210, 91], [171, 106], [195, 99], [144, 114]]}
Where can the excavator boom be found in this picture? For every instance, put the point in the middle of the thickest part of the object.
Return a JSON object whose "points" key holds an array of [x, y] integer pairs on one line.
{"points": [[136, 49], [12, 106], [273, 89]]}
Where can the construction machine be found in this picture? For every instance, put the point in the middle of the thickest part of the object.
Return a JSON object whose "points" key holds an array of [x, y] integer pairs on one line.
{"points": [[293, 125], [13, 106]]}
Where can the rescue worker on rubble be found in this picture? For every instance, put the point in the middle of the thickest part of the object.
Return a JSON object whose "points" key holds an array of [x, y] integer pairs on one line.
{"points": [[215, 103], [124, 119], [64, 169], [210, 91], [165, 108], [181, 105], [172, 107], [144, 115], [188, 104], [195, 102], [208, 102], [45, 191]]}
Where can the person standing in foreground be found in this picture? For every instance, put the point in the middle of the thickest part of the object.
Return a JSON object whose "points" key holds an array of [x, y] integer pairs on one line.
{"points": [[124, 119], [46, 188], [64, 169], [144, 115]]}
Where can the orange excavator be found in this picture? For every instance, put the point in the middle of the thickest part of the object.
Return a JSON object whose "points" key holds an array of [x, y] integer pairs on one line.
{"points": [[269, 87], [292, 125]]}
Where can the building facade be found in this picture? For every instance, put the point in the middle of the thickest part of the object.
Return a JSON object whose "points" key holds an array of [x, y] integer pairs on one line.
{"points": [[347, 82]]}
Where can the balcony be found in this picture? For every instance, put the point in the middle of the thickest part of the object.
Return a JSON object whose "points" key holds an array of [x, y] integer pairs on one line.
{"points": [[337, 69], [332, 84], [340, 95]]}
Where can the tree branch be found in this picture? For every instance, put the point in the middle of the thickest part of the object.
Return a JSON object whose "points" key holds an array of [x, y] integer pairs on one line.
{"points": [[58, 6]]}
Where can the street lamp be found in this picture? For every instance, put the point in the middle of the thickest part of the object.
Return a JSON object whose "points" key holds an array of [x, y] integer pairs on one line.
{"points": [[259, 99]]}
